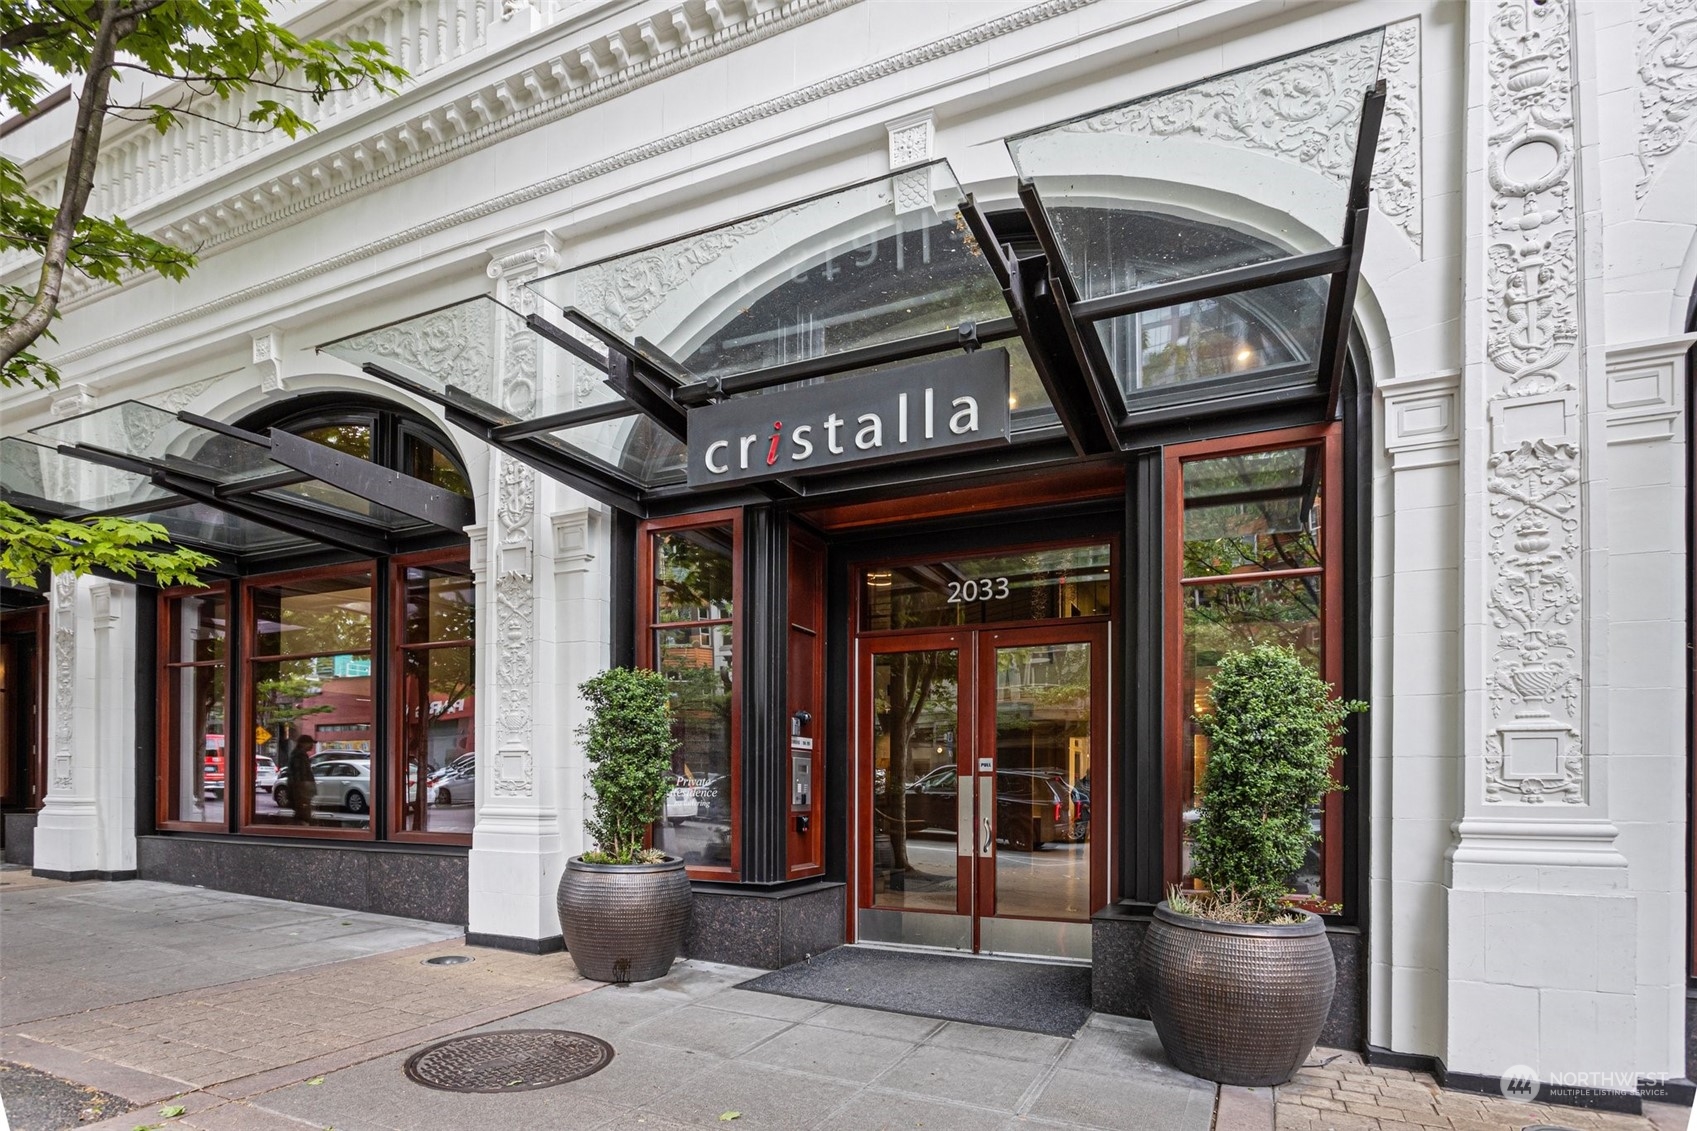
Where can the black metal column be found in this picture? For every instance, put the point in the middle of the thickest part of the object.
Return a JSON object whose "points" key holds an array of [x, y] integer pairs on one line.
{"points": [[762, 663], [1141, 668]]}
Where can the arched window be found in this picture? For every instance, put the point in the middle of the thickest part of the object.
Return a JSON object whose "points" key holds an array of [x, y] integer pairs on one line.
{"points": [[329, 700]]}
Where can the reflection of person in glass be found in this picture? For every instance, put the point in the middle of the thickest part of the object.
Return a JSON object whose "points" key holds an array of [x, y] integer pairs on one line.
{"points": [[303, 786]]}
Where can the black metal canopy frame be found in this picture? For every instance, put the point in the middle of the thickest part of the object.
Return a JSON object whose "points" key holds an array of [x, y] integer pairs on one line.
{"points": [[1095, 408], [238, 495]]}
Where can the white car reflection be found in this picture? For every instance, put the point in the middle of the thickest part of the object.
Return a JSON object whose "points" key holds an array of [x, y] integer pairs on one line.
{"points": [[341, 785]]}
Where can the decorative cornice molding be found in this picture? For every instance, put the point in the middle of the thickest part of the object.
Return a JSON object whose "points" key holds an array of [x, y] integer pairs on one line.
{"points": [[1667, 74], [963, 40], [581, 76]]}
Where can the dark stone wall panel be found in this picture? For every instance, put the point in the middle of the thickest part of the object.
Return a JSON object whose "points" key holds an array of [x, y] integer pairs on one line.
{"points": [[416, 885], [767, 930], [20, 838]]}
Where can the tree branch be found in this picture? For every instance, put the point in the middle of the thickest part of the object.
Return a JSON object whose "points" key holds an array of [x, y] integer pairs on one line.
{"points": [[115, 23]]}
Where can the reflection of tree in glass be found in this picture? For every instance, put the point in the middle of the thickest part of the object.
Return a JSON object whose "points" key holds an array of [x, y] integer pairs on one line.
{"points": [[280, 702], [694, 577], [920, 688], [1046, 677], [701, 707]]}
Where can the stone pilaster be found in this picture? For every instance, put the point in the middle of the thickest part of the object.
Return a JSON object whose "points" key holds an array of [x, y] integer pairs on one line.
{"points": [[1541, 928], [87, 822], [517, 850]]}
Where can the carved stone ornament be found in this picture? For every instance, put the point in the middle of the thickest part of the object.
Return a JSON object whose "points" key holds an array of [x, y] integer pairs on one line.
{"points": [[64, 676], [1667, 82], [1396, 162], [1534, 641], [1302, 108], [451, 347]]}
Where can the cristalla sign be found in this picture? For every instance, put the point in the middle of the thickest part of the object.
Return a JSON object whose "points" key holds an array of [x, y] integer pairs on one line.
{"points": [[939, 404]]}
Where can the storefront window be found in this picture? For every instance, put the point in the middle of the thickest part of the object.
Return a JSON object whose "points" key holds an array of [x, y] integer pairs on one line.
{"points": [[195, 647], [690, 638], [310, 691], [437, 698], [1253, 565]]}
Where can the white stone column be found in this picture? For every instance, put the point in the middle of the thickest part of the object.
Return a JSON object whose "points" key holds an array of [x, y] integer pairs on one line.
{"points": [[1645, 422], [87, 822], [517, 852], [1542, 930], [1416, 775], [582, 550]]}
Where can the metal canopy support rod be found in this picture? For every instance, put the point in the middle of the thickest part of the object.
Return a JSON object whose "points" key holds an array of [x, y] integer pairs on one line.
{"points": [[571, 418], [540, 325], [376, 484], [1334, 331], [1086, 343], [549, 460], [1214, 285], [277, 515], [623, 377], [1030, 289], [883, 353], [394, 490], [557, 465]]}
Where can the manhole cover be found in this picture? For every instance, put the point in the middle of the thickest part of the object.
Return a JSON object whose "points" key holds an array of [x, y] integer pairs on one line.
{"points": [[447, 960], [511, 1060]]}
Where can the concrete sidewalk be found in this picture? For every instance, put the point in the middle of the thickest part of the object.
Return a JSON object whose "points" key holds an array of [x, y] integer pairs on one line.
{"points": [[256, 1015]]}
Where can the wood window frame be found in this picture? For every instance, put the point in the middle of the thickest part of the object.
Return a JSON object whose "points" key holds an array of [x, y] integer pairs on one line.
{"points": [[33, 622], [372, 568], [394, 741], [1329, 439], [647, 624], [166, 766]]}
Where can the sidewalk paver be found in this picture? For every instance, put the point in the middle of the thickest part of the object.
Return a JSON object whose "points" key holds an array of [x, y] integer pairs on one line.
{"points": [[260, 1015]]}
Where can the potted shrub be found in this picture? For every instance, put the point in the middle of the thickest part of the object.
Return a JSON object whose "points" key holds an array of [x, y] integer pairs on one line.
{"points": [[1238, 980], [623, 907]]}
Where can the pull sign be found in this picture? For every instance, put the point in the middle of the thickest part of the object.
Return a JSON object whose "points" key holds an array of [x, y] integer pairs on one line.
{"points": [[986, 765]]}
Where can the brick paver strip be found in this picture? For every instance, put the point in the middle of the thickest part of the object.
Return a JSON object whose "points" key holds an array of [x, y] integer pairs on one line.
{"points": [[240, 1039], [1343, 1094]]}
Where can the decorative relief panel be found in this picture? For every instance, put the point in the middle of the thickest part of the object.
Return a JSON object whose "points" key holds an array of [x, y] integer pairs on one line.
{"points": [[1396, 162], [515, 513], [64, 676], [451, 346], [1534, 635], [1667, 76], [1289, 108]]}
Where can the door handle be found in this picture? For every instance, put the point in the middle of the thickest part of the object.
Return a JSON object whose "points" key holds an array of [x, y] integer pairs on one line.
{"points": [[987, 839]]}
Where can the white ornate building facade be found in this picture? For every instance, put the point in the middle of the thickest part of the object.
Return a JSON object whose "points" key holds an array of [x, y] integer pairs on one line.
{"points": [[1505, 498]]}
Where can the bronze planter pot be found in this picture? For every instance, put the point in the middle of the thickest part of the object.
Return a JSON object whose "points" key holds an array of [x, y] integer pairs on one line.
{"points": [[624, 922], [1237, 1003]]}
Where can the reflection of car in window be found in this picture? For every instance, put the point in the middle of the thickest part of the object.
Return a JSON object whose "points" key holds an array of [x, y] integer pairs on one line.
{"points": [[1033, 807], [455, 783], [343, 784]]}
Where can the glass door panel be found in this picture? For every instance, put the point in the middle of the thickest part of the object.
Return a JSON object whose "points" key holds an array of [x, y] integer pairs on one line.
{"points": [[915, 789], [1041, 702]]}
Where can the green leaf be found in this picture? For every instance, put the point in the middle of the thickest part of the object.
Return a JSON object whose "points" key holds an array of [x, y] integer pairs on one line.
{"points": [[726, 1117], [315, 1081], [173, 1111]]}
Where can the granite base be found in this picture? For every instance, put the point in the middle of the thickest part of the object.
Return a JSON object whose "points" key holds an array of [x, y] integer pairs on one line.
{"points": [[765, 929], [19, 837], [384, 880]]}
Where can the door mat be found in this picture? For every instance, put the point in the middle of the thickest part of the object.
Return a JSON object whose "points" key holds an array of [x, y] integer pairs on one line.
{"points": [[1035, 997]]}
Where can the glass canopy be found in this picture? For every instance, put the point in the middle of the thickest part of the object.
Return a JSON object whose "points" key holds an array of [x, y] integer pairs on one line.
{"points": [[1239, 171], [43, 481], [1182, 254], [883, 261]]}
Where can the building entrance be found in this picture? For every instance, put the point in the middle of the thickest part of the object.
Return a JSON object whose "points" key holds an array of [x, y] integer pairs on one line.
{"points": [[981, 753]]}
